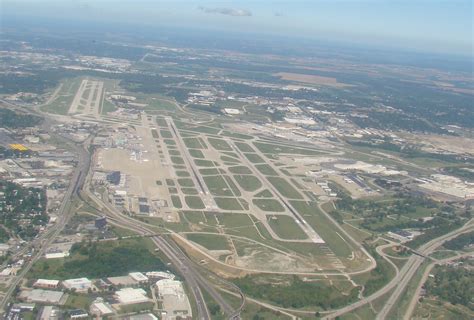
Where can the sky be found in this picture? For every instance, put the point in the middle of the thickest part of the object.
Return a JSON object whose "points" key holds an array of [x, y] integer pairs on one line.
{"points": [[424, 25]]}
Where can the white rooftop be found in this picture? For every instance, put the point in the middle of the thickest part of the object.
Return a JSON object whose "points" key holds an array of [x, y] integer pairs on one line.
{"points": [[79, 283], [170, 287], [43, 296], [102, 308], [138, 276], [46, 282], [131, 296], [160, 274]]}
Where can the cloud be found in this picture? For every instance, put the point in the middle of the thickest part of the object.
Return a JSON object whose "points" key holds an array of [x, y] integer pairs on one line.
{"points": [[227, 11]]}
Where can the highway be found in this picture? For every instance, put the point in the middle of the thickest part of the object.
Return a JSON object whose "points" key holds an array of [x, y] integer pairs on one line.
{"points": [[78, 180], [411, 307], [401, 280], [416, 262], [179, 259], [64, 213]]}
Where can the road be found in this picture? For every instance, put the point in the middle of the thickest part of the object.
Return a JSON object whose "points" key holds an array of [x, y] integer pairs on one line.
{"points": [[185, 266], [179, 259], [416, 262], [416, 295], [64, 214], [400, 281]]}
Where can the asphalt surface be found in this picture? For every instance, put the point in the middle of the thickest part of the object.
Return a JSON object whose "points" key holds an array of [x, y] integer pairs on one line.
{"points": [[401, 280], [414, 263], [64, 212], [411, 307], [179, 259]]}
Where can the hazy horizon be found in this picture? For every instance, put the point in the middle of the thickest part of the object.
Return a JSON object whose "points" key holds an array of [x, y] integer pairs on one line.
{"points": [[427, 26]]}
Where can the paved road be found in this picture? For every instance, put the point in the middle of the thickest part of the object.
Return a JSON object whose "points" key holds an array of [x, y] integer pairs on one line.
{"points": [[413, 264], [401, 280], [416, 295], [64, 214], [171, 250], [184, 265]]}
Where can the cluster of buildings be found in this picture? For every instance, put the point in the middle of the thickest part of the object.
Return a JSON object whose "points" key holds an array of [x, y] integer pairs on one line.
{"points": [[155, 291], [35, 163], [448, 186], [101, 64], [77, 130]]}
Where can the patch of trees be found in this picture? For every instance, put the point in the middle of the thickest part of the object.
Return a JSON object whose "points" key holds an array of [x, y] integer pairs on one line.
{"points": [[34, 80], [4, 235], [86, 46], [461, 172], [387, 184], [396, 121], [213, 109], [438, 230], [12, 119], [460, 241], [378, 276], [97, 260], [23, 210], [375, 214], [296, 293], [455, 285], [403, 203]]}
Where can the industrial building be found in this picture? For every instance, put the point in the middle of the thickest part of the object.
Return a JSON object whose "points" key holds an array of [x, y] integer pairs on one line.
{"points": [[79, 285], [42, 296], [144, 316], [100, 223], [48, 313], [138, 277], [100, 309], [127, 296], [22, 307], [122, 281], [157, 275], [46, 284], [78, 314], [175, 301], [114, 178]]}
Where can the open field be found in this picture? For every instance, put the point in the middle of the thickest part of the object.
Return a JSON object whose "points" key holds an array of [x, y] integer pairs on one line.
{"points": [[285, 188], [222, 194], [286, 227], [65, 96], [209, 241], [248, 182], [300, 195], [310, 79], [270, 205], [435, 309]]}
